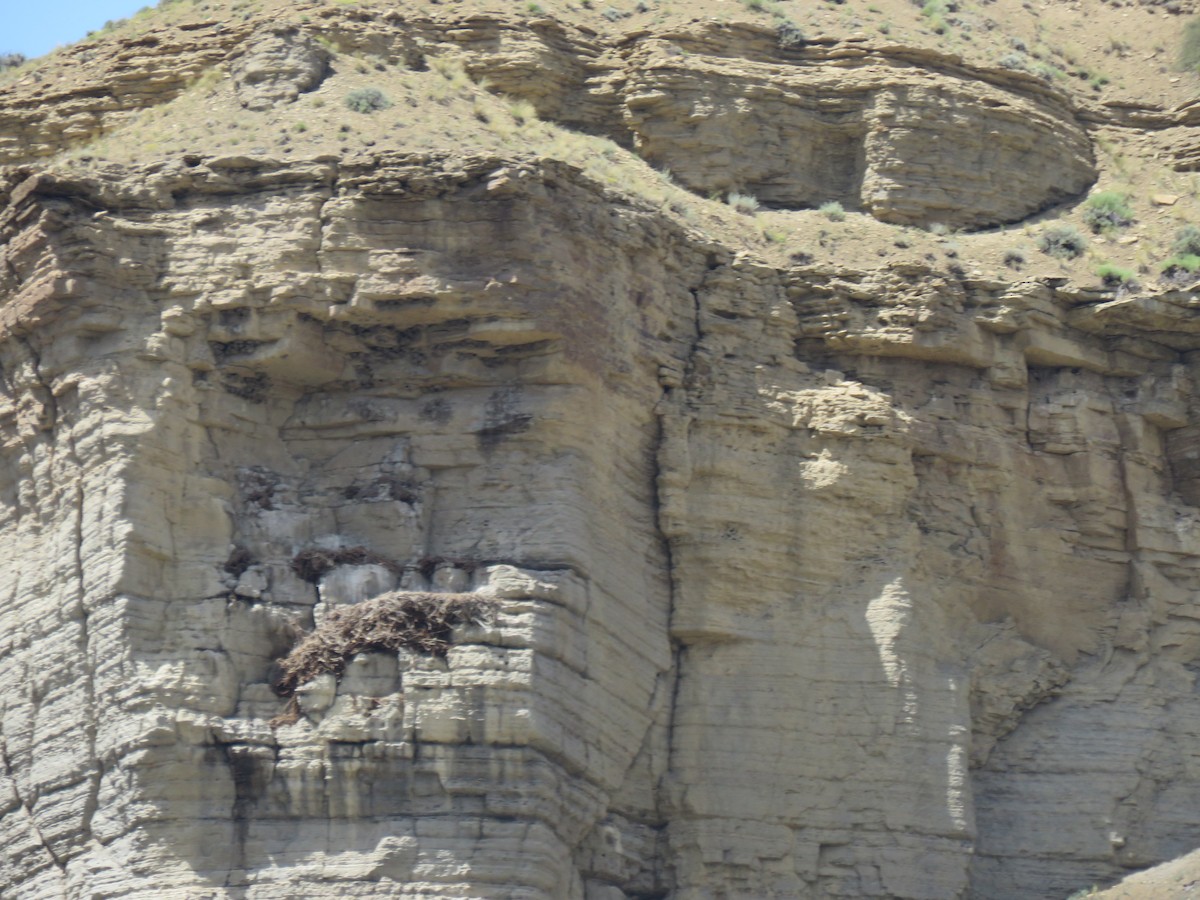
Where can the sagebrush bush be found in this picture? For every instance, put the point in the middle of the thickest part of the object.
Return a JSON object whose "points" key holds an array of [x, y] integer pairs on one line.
{"points": [[1014, 257], [1062, 242], [743, 203], [1187, 241], [1114, 276], [1181, 264], [833, 211], [1189, 47], [522, 111], [367, 100], [11, 60], [1106, 211]]}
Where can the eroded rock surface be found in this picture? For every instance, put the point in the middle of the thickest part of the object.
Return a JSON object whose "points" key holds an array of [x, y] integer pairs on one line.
{"points": [[862, 579], [911, 137], [803, 582]]}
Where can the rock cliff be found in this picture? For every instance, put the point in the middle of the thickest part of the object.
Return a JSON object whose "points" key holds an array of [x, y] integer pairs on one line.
{"points": [[411, 517]]}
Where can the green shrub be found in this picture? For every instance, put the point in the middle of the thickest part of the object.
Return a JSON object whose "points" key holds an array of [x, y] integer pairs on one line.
{"points": [[1189, 47], [367, 100], [1187, 241], [833, 211], [11, 60], [1047, 72], [1062, 242], [1107, 211], [743, 203], [1114, 276], [1181, 264]]}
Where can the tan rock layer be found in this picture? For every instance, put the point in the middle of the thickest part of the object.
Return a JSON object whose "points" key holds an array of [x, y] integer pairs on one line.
{"points": [[807, 582], [912, 137]]}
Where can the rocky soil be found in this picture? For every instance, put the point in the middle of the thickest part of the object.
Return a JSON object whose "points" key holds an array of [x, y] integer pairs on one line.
{"points": [[600, 453]]}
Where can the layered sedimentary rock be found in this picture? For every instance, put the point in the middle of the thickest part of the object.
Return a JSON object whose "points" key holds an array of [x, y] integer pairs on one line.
{"points": [[427, 524], [797, 582], [911, 137]]}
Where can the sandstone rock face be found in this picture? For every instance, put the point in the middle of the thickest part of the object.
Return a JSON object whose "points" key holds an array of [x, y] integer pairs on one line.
{"points": [[804, 582], [278, 67], [872, 580], [909, 140], [911, 137]]}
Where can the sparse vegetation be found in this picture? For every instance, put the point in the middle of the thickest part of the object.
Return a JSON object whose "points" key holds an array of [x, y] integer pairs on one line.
{"points": [[746, 204], [11, 60], [1047, 72], [833, 211], [1014, 257], [1187, 241], [1014, 60], [1107, 211], [1189, 47], [935, 11], [367, 100], [1180, 267], [522, 111], [1062, 242], [1114, 276]]}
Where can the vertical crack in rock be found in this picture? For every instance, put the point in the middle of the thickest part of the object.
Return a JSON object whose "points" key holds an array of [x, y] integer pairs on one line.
{"points": [[55, 421], [10, 776], [673, 426]]}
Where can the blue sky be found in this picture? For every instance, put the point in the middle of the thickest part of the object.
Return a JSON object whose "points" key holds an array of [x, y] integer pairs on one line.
{"points": [[34, 27]]}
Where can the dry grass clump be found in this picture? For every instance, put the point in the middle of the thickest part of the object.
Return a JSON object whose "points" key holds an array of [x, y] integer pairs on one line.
{"points": [[402, 620]]}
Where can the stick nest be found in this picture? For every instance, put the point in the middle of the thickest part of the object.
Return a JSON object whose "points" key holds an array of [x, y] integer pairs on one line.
{"points": [[402, 620]]}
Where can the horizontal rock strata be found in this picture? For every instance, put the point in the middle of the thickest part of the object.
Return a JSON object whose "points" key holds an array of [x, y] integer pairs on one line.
{"points": [[814, 581]]}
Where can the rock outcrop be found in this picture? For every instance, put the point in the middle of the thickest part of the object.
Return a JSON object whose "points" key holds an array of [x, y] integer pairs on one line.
{"points": [[638, 566], [912, 137]]}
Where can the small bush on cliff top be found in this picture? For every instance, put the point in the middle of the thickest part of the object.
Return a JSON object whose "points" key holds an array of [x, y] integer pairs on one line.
{"points": [[1063, 242], [833, 211], [1189, 48], [1106, 211], [1187, 241], [1114, 276], [1180, 267], [743, 203], [367, 100]]}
